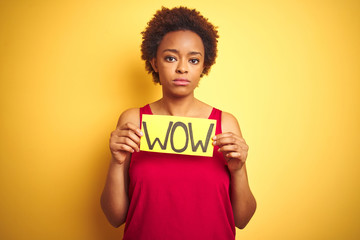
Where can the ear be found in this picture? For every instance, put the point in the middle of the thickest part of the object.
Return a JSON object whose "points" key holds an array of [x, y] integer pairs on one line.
{"points": [[154, 64]]}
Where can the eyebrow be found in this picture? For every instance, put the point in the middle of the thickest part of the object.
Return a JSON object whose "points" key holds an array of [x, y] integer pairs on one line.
{"points": [[177, 52]]}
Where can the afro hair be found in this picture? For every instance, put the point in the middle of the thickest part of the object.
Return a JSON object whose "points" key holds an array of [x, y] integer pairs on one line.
{"points": [[180, 18]]}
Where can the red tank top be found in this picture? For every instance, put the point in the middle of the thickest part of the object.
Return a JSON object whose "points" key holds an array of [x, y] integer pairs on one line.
{"points": [[181, 197]]}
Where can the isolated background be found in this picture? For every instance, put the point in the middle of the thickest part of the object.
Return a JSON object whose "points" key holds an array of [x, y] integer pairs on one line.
{"points": [[288, 70]]}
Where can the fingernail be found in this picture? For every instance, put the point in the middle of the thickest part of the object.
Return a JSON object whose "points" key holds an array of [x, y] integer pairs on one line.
{"points": [[140, 132], [214, 138]]}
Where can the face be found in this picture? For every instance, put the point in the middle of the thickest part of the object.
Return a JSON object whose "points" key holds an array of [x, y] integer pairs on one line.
{"points": [[179, 62]]}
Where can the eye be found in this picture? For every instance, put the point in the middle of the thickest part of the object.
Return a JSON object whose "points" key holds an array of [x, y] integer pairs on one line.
{"points": [[194, 61], [170, 59]]}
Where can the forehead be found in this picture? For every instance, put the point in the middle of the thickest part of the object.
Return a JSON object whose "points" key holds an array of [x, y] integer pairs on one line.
{"points": [[183, 41]]}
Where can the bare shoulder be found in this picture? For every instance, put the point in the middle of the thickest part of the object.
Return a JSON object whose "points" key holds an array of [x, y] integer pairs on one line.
{"points": [[229, 123], [131, 115]]}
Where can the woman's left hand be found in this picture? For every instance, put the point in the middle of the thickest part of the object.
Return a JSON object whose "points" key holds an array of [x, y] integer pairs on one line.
{"points": [[234, 149]]}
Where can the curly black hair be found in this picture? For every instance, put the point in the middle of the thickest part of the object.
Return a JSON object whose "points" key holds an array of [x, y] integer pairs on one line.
{"points": [[180, 18]]}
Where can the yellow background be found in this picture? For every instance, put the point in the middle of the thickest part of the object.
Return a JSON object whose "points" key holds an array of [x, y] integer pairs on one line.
{"points": [[288, 70]]}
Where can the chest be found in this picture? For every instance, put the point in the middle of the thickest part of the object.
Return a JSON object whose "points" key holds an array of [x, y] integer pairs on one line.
{"points": [[150, 169]]}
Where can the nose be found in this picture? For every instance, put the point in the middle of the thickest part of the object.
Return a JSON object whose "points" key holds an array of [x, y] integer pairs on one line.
{"points": [[181, 67]]}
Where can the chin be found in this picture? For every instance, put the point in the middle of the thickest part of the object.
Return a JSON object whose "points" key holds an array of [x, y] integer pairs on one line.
{"points": [[180, 94]]}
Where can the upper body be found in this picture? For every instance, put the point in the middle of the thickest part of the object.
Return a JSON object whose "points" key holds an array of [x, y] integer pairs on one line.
{"points": [[176, 196], [179, 63]]}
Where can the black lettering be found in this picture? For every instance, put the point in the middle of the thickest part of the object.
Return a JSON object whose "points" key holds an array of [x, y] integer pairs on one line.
{"points": [[194, 147], [151, 145], [179, 124]]}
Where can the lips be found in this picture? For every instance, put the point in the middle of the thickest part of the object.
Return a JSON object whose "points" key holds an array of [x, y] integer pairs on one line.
{"points": [[181, 82]]}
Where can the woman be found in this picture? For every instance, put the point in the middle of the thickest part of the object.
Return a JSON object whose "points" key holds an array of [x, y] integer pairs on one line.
{"points": [[171, 196]]}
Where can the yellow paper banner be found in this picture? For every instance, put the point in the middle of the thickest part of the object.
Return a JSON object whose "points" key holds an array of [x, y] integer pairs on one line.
{"points": [[179, 135]]}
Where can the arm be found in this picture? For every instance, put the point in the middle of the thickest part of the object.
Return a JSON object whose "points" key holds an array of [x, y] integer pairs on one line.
{"points": [[235, 149], [123, 141]]}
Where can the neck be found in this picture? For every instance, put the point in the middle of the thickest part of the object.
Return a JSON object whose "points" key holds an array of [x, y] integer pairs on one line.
{"points": [[178, 106]]}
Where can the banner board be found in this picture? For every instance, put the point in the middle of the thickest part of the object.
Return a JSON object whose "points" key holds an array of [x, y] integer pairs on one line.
{"points": [[178, 135]]}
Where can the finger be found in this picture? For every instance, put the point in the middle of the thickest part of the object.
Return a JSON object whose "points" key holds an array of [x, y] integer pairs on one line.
{"points": [[129, 134], [225, 140], [122, 147], [234, 155], [225, 135], [129, 142], [229, 148], [116, 147], [133, 127], [117, 141], [115, 135]]}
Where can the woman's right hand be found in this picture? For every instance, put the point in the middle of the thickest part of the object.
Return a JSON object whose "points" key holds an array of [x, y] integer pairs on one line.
{"points": [[124, 140]]}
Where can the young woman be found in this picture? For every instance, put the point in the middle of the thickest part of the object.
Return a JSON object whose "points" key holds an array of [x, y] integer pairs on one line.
{"points": [[171, 196]]}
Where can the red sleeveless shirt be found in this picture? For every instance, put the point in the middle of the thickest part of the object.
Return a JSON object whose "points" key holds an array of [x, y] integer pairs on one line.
{"points": [[181, 197]]}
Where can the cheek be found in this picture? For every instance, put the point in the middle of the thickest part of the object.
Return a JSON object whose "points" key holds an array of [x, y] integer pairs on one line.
{"points": [[199, 70], [165, 68]]}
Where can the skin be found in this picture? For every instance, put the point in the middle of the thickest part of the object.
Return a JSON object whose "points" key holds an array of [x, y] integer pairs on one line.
{"points": [[179, 62]]}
